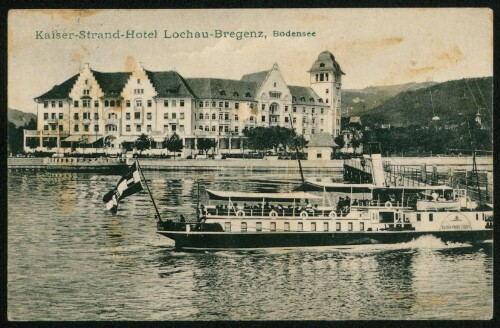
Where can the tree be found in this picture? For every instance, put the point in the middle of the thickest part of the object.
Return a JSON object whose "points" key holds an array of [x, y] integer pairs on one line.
{"points": [[143, 143], [174, 143], [340, 142], [204, 144]]}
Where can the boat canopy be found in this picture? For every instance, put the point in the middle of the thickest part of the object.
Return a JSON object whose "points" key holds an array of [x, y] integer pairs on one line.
{"points": [[311, 185], [257, 196]]}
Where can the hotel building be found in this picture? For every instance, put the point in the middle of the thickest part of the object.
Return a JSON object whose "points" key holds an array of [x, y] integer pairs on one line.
{"points": [[108, 110]]}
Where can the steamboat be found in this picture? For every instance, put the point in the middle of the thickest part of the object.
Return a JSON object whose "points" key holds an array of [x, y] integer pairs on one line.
{"points": [[322, 212]]}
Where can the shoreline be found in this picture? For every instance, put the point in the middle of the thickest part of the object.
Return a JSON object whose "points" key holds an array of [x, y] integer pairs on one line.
{"points": [[441, 163]]}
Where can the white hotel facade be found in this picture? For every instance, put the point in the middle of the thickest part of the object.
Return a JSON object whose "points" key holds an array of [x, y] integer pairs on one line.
{"points": [[105, 111]]}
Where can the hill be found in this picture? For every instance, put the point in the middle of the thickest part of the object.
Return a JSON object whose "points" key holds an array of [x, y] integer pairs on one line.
{"points": [[450, 101], [19, 118], [358, 102]]}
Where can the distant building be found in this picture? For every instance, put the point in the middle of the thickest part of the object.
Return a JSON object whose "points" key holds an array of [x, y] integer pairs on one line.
{"points": [[320, 146], [108, 111]]}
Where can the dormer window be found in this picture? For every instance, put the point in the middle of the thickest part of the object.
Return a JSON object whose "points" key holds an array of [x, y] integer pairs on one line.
{"points": [[138, 81], [248, 95], [294, 98], [311, 99], [222, 92], [302, 99], [235, 94], [322, 65]]}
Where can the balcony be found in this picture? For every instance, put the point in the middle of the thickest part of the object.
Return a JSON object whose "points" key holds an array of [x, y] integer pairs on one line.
{"points": [[52, 121], [138, 108], [114, 121], [86, 121]]}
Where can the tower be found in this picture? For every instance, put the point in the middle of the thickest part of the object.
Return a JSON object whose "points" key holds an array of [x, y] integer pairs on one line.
{"points": [[326, 81]]}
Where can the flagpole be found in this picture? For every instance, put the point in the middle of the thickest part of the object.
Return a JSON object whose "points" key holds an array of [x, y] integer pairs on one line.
{"points": [[149, 191]]}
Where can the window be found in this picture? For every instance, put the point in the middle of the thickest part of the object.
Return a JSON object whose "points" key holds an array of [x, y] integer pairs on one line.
{"points": [[275, 94], [174, 103], [221, 103], [61, 115], [236, 117], [127, 128], [337, 226], [118, 103], [200, 116], [294, 120], [149, 128], [477, 216], [286, 226], [76, 128], [75, 103], [227, 226], [207, 104], [321, 77], [174, 116], [226, 116], [96, 128], [213, 128], [207, 116], [319, 155], [226, 128], [46, 116], [106, 103], [213, 104], [251, 118], [207, 128], [322, 110], [243, 227], [349, 226], [127, 103], [96, 104], [53, 116], [53, 103], [61, 128], [300, 226], [138, 128], [303, 120], [248, 95], [46, 127], [150, 103], [321, 65], [111, 103], [313, 226], [258, 226], [45, 104], [86, 128], [86, 103], [96, 116], [214, 117], [165, 103], [75, 116], [273, 226], [149, 116], [236, 129], [236, 105], [137, 115], [127, 116], [431, 217], [295, 109], [138, 81], [181, 102], [226, 104], [325, 226], [286, 119], [165, 128], [201, 104], [174, 127], [222, 92], [286, 108], [263, 106], [181, 115], [361, 226], [138, 102], [263, 118], [326, 91]]}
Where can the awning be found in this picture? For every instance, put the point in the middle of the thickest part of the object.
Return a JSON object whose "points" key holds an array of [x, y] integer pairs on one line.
{"points": [[76, 138], [158, 138], [250, 196]]}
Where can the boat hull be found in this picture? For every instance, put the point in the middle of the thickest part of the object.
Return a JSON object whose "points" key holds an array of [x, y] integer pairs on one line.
{"points": [[231, 240]]}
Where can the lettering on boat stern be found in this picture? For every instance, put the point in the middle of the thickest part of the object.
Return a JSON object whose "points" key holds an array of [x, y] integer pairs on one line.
{"points": [[456, 221]]}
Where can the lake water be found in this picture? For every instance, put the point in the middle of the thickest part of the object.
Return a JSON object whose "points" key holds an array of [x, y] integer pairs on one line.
{"points": [[69, 259]]}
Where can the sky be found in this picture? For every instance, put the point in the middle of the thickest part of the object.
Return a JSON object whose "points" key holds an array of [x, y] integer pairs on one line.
{"points": [[374, 47]]}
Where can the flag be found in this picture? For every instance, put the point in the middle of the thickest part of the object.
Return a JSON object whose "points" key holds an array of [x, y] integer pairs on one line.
{"points": [[129, 184]]}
